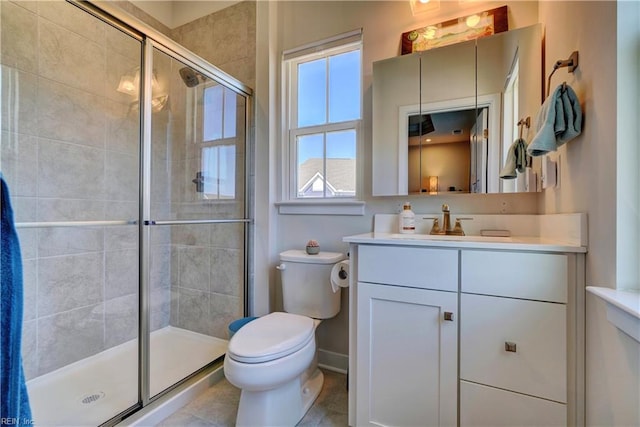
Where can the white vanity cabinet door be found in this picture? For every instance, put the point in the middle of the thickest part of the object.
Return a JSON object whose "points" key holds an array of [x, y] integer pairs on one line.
{"points": [[514, 344], [407, 356], [484, 406]]}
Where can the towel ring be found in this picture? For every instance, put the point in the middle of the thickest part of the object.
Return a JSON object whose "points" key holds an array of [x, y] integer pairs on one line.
{"points": [[571, 63]]}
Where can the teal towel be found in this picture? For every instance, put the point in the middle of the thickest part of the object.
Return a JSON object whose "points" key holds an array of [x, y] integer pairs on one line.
{"points": [[559, 121], [14, 401], [517, 160]]}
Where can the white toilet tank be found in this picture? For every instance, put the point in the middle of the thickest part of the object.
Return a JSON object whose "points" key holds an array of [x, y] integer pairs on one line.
{"points": [[306, 283]]}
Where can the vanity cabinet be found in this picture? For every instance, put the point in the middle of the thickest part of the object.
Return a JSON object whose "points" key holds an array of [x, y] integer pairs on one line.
{"points": [[515, 358], [407, 336]]}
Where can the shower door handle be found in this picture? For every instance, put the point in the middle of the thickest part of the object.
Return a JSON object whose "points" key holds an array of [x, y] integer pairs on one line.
{"points": [[196, 221]]}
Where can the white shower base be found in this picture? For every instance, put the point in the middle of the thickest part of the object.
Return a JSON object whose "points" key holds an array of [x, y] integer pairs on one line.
{"points": [[108, 381]]}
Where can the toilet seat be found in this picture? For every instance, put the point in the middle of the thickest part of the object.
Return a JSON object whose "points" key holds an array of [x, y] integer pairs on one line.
{"points": [[271, 337]]}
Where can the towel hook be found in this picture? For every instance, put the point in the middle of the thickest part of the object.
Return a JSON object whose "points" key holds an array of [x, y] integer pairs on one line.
{"points": [[524, 122], [571, 63]]}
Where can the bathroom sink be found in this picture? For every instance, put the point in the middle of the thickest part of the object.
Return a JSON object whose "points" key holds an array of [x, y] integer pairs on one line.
{"points": [[452, 238]]}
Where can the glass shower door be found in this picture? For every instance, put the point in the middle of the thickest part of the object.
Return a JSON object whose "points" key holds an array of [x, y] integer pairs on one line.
{"points": [[196, 226], [70, 155]]}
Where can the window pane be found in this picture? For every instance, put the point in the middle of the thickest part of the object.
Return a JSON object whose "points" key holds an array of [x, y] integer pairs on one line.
{"points": [[209, 171], [212, 116], [219, 171], [311, 165], [312, 97], [227, 172], [230, 108], [341, 163], [344, 87]]}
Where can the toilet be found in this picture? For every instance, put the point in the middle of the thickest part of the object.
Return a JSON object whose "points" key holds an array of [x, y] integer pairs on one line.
{"points": [[273, 358]]}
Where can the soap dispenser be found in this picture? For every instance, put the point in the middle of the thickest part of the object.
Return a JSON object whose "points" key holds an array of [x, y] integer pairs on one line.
{"points": [[407, 219]]}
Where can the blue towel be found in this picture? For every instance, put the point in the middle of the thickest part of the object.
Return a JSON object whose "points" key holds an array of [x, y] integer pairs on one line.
{"points": [[14, 407], [517, 160], [559, 121]]}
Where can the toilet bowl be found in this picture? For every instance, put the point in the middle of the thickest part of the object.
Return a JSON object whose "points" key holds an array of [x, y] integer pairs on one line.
{"points": [[273, 358]]}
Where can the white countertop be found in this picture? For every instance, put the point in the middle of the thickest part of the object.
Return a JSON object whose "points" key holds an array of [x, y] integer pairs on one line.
{"points": [[467, 242]]}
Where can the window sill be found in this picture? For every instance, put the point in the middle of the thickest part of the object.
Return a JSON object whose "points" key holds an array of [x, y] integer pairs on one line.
{"points": [[321, 207], [623, 309]]}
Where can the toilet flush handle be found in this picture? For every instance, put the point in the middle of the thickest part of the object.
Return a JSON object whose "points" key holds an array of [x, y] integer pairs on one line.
{"points": [[281, 267]]}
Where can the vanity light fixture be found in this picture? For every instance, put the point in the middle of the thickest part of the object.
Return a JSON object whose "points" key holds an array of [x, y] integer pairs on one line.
{"points": [[129, 84]]}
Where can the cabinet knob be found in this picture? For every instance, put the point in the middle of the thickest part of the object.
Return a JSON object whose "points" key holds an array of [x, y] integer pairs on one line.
{"points": [[448, 316], [510, 346]]}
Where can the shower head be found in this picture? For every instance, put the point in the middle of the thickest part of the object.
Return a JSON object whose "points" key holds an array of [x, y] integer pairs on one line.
{"points": [[190, 77]]}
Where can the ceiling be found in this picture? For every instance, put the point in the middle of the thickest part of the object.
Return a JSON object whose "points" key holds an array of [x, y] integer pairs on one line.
{"points": [[452, 126]]}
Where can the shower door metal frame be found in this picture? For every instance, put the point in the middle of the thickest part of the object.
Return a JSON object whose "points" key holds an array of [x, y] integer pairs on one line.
{"points": [[145, 199], [152, 39]]}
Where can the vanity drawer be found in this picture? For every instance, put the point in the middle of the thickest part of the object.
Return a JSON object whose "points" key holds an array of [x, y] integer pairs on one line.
{"points": [[424, 268], [487, 406], [515, 274], [536, 366]]}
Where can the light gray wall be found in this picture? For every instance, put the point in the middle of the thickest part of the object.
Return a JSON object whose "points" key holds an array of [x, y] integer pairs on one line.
{"points": [[599, 176], [383, 22]]}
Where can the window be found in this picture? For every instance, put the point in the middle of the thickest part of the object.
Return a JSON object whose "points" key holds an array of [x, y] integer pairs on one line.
{"points": [[218, 155], [324, 109]]}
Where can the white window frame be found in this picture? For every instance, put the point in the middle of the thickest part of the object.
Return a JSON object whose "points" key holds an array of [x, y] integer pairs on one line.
{"points": [[198, 137], [291, 203]]}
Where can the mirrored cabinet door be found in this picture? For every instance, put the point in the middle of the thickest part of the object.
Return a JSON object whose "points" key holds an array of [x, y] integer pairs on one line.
{"points": [[445, 119]]}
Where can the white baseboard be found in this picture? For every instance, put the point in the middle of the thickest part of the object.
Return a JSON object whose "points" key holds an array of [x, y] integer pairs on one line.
{"points": [[333, 361]]}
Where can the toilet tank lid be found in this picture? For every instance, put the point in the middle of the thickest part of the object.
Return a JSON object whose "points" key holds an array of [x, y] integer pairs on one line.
{"points": [[298, 255]]}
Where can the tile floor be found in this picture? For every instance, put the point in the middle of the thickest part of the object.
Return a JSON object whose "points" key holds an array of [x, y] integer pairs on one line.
{"points": [[217, 406]]}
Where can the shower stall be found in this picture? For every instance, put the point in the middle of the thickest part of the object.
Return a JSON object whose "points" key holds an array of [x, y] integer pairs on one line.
{"points": [[127, 161]]}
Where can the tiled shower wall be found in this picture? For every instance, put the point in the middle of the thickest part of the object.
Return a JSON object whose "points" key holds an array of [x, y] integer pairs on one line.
{"points": [[227, 39], [70, 153], [208, 261]]}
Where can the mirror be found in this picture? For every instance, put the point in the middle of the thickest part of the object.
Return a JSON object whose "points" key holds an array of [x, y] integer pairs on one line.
{"points": [[443, 121]]}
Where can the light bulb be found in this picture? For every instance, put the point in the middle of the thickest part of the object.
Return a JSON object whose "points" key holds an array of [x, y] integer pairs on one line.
{"points": [[430, 33], [472, 20]]}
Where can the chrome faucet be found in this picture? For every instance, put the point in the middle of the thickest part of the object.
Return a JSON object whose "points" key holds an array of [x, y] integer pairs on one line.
{"points": [[446, 224]]}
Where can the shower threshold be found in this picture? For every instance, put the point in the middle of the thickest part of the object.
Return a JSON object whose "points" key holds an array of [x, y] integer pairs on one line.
{"points": [[93, 390]]}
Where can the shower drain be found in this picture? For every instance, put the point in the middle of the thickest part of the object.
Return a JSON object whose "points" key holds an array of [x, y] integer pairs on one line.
{"points": [[92, 397]]}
